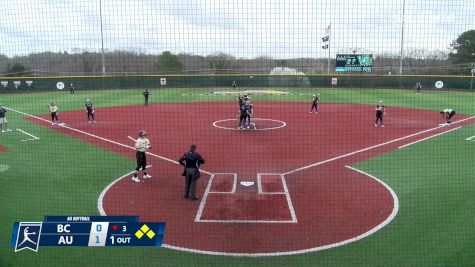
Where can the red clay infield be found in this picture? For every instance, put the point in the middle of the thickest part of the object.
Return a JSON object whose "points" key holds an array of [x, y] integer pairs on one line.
{"points": [[287, 209], [2, 149]]}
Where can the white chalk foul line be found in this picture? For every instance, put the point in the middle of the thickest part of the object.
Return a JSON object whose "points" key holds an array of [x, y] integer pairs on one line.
{"points": [[33, 137], [99, 137], [369, 148], [429, 137]]}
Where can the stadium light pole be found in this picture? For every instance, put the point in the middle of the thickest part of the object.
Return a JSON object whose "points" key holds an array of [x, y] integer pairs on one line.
{"points": [[471, 81], [329, 40], [401, 55], [102, 40]]}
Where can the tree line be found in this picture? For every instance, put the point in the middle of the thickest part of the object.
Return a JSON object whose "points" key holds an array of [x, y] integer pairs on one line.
{"points": [[460, 60]]}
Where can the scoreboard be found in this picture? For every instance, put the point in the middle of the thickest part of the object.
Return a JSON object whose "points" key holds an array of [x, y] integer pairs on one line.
{"points": [[354, 62], [91, 231]]}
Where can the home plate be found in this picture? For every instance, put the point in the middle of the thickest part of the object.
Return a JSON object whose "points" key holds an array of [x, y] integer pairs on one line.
{"points": [[244, 183]]}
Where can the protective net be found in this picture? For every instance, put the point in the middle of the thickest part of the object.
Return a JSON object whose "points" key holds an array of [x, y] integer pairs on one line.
{"points": [[237, 133]]}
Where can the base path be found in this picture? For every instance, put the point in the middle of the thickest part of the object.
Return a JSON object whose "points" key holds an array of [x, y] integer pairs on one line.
{"points": [[281, 191]]}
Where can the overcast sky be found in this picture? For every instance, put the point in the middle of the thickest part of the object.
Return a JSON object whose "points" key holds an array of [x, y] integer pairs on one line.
{"points": [[242, 28]]}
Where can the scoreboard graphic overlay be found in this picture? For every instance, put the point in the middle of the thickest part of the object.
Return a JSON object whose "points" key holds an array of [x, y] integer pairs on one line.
{"points": [[90, 231]]}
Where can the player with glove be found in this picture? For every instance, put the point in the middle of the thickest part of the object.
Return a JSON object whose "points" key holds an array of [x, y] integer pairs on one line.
{"points": [[141, 146]]}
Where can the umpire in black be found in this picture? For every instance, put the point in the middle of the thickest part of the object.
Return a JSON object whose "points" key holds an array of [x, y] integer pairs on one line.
{"points": [[192, 161], [146, 94]]}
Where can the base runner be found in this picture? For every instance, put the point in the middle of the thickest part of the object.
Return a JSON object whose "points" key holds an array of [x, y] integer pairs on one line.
{"points": [[54, 113]]}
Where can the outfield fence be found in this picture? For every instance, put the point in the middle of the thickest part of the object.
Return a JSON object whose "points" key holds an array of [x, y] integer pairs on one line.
{"points": [[21, 84]]}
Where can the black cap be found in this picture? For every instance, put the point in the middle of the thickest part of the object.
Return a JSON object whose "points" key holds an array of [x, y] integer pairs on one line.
{"points": [[193, 146]]}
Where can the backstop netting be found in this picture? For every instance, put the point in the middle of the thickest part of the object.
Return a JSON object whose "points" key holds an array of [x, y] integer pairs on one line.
{"points": [[237, 133]]}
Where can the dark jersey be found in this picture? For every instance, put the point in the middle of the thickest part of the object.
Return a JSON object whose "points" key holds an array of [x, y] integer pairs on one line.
{"points": [[88, 106], [146, 93], [2, 112], [191, 159], [315, 100], [379, 109], [241, 100], [243, 109]]}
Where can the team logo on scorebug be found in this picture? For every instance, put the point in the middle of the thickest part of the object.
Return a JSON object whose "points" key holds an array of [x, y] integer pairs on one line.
{"points": [[28, 236]]}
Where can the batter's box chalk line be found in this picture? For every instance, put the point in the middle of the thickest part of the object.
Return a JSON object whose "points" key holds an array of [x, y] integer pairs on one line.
{"points": [[233, 189], [208, 192]]}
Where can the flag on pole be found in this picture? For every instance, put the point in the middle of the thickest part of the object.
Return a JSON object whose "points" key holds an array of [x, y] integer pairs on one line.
{"points": [[326, 37]]}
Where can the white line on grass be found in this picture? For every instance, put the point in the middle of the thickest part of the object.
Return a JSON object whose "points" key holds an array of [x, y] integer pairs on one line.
{"points": [[369, 148], [432, 136], [472, 138], [100, 138], [33, 137]]}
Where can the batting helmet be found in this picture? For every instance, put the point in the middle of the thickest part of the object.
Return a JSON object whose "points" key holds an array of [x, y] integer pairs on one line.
{"points": [[142, 133]]}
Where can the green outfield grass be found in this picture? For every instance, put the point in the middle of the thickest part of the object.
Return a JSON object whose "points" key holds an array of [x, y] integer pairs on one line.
{"points": [[60, 175]]}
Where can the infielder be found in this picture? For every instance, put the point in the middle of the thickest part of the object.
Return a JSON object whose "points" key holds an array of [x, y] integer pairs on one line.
{"points": [[141, 146], [3, 120], [448, 113], [90, 111], [380, 111], [315, 101]]}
